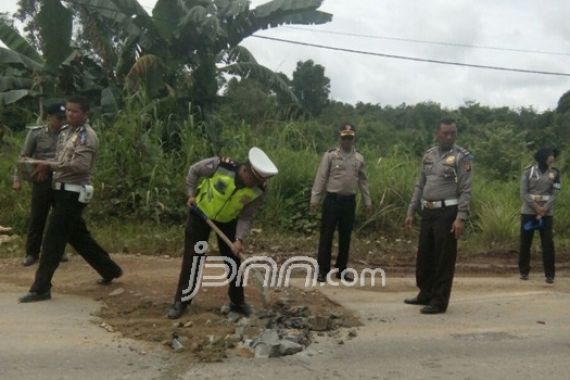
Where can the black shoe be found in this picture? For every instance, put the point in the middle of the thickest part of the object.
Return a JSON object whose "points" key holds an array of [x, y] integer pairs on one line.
{"points": [[321, 278], [415, 301], [35, 296], [176, 310], [64, 258], [432, 309], [29, 260], [524, 277], [108, 280], [346, 276], [550, 280], [242, 308]]}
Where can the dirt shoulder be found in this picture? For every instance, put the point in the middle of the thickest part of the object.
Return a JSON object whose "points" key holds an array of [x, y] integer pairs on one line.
{"points": [[133, 309]]}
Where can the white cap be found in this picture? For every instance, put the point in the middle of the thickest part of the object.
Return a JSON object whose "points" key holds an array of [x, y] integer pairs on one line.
{"points": [[261, 165]]}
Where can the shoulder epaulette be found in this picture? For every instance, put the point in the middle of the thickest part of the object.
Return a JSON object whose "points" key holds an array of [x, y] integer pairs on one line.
{"points": [[35, 127], [331, 150], [83, 134], [463, 151], [429, 150], [227, 162]]}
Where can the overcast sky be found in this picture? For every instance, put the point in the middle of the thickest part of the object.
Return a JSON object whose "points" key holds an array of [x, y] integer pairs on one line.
{"points": [[521, 24]]}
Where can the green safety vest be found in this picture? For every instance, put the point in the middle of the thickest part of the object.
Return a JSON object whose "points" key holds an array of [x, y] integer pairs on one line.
{"points": [[220, 199]]}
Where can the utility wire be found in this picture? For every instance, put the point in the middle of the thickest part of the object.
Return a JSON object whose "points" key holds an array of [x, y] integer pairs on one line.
{"points": [[402, 39], [415, 59], [428, 42], [393, 56]]}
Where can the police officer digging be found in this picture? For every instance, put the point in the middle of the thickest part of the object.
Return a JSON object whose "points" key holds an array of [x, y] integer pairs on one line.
{"points": [[340, 175], [540, 184], [443, 191], [72, 167], [229, 195], [40, 144]]}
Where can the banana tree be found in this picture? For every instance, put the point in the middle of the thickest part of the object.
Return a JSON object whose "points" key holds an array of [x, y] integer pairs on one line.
{"points": [[185, 47], [56, 71]]}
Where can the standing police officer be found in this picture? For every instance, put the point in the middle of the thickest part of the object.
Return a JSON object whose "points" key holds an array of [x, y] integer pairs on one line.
{"points": [[40, 144], [74, 162], [443, 190], [229, 195], [540, 184], [341, 173]]}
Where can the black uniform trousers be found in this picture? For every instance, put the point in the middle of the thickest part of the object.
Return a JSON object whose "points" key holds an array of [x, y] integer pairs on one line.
{"points": [[66, 225], [437, 253], [546, 242], [338, 210], [42, 200], [198, 230]]}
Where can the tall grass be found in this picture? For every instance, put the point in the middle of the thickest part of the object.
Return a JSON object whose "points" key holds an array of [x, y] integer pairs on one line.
{"points": [[496, 212], [143, 161], [391, 182]]}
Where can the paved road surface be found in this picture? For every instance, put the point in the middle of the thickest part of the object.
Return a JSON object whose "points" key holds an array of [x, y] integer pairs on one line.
{"points": [[495, 328]]}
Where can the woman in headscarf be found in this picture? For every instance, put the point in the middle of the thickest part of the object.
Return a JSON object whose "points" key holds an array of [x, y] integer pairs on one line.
{"points": [[540, 184]]}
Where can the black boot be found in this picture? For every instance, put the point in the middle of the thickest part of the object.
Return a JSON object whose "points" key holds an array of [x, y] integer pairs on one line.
{"points": [[176, 310], [108, 280], [242, 308], [29, 260], [35, 296]]}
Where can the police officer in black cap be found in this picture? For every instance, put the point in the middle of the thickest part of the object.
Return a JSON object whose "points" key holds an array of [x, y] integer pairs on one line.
{"points": [[40, 144], [340, 175]]}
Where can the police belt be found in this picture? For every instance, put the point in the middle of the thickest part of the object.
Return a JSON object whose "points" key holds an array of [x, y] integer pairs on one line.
{"points": [[539, 198], [67, 187], [339, 197], [439, 204]]}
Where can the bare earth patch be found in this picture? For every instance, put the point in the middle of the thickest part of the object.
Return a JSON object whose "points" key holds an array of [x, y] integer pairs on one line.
{"points": [[135, 305]]}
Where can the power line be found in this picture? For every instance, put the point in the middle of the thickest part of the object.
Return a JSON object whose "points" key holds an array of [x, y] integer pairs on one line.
{"points": [[428, 42], [440, 43], [498, 68], [415, 59], [365, 35]]}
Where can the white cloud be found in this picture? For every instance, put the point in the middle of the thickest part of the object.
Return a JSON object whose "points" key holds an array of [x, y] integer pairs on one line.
{"points": [[515, 24], [510, 24]]}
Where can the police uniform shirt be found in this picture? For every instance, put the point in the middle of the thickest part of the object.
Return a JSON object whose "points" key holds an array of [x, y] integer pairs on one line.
{"points": [[40, 144], [207, 168], [444, 175], [539, 188], [341, 173], [75, 155]]}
